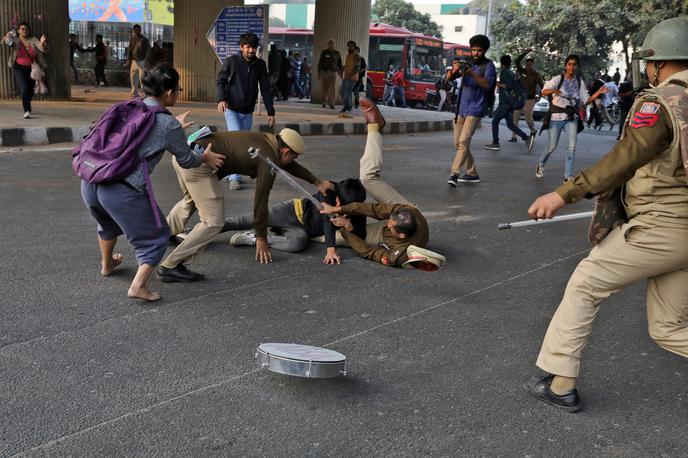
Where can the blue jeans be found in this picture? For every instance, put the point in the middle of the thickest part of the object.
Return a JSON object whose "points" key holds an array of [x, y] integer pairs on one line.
{"points": [[237, 121], [396, 95], [554, 131], [504, 111], [346, 91]]}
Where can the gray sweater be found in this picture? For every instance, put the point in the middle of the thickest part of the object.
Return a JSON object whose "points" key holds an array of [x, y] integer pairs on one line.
{"points": [[167, 134]]}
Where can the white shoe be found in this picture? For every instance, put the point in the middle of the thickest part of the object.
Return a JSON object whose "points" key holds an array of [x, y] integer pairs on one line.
{"points": [[27, 115], [539, 171], [235, 185], [247, 238]]}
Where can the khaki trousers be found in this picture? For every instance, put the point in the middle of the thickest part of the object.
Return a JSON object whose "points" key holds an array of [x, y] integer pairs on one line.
{"points": [[369, 173], [202, 192], [135, 73], [639, 249], [464, 128], [528, 113], [328, 80]]}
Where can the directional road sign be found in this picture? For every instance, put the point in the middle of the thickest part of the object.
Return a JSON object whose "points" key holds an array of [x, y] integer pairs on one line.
{"points": [[232, 21]]}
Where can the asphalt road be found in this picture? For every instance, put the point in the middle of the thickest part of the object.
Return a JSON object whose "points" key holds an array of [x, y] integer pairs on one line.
{"points": [[436, 361]]}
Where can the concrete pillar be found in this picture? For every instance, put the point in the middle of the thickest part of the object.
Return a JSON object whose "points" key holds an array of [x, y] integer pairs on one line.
{"points": [[193, 57], [45, 17], [340, 21]]}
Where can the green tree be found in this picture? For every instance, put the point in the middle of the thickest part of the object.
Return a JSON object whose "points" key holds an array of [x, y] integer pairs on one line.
{"points": [[276, 22], [402, 14], [588, 28]]}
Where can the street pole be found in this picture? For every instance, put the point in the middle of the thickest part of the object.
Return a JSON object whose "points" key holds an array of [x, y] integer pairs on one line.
{"points": [[489, 17]]}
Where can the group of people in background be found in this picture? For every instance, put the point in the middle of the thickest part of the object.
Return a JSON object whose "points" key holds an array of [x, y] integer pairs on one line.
{"points": [[290, 74], [352, 72]]}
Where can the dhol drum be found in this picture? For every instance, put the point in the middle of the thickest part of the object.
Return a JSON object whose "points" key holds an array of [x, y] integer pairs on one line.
{"points": [[301, 360]]}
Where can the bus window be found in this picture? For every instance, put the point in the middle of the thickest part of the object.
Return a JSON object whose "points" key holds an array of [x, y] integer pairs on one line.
{"points": [[384, 51], [426, 62]]}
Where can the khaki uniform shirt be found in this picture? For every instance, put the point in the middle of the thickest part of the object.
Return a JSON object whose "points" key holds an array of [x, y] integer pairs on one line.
{"points": [[396, 255], [234, 146], [647, 162]]}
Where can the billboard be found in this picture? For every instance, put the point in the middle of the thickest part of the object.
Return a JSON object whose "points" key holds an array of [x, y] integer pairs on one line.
{"points": [[152, 11]]}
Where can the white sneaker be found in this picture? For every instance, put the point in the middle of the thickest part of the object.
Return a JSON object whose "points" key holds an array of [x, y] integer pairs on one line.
{"points": [[235, 185], [539, 171], [27, 115], [247, 238]]}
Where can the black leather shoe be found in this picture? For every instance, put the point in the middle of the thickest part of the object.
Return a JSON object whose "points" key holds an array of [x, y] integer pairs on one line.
{"points": [[539, 389], [179, 274]]}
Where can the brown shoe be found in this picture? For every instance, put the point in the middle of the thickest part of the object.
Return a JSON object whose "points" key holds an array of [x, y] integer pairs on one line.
{"points": [[371, 112]]}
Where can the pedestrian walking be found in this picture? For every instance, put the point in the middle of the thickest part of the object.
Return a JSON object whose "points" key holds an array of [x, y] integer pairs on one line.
{"points": [[477, 80], [74, 46], [306, 77], [274, 65], [101, 53], [608, 100], [360, 84], [640, 233], [296, 89], [126, 205], [398, 95], [349, 75], [237, 90], [595, 119], [569, 97], [284, 80], [532, 81], [329, 65], [136, 56], [511, 98], [26, 51], [388, 85]]}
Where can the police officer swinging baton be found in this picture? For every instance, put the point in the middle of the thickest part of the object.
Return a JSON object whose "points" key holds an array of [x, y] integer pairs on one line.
{"points": [[556, 219], [255, 152]]}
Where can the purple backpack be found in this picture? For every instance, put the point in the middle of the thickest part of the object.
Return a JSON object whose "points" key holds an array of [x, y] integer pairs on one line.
{"points": [[109, 152]]}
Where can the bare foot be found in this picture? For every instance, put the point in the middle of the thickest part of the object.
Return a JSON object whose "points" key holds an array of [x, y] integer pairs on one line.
{"points": [[143, 293], [109, 267]]}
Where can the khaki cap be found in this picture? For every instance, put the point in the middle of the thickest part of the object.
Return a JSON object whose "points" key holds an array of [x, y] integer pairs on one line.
{"points": [[423, 259], [293, 140]]}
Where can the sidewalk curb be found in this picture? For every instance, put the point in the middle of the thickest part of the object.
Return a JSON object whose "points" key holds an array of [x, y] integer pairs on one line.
{"points": [[20, 136]]}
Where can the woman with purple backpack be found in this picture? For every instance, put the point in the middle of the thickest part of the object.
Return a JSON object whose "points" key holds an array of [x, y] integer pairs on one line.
{"points": [[127, 205]]}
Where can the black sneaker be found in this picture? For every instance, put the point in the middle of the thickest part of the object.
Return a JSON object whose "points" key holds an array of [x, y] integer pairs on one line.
{"points": [[466, 178], [513, 140], [452, 180], [493, 147], [181, 273], [539, 389], [531, 141]]}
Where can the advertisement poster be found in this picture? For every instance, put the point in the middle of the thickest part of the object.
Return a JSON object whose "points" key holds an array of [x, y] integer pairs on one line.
{"points": [[151, 11]]}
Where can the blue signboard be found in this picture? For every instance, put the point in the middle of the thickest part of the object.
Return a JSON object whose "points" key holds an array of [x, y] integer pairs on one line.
{"points": [[232, 21]]}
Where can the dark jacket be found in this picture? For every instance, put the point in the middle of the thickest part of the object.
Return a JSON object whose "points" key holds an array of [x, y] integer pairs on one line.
{"points": [[237, 84], [317, 224]]}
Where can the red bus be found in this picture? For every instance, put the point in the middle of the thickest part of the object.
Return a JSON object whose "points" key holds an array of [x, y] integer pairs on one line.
{"points": [[454, 50], [420, 56]]}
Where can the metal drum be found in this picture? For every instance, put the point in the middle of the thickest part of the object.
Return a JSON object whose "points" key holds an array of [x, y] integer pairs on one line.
{"points": [[301, 360]]}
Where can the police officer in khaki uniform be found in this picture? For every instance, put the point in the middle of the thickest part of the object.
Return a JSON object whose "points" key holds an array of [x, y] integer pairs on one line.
{"points": [[650, 163]]}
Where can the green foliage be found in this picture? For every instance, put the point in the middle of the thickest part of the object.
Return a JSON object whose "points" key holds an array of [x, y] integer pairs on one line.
{"points": [[276, 22], [402, 14], [584, 27]]}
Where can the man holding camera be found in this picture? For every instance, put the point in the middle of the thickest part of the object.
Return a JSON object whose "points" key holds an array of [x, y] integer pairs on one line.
{"points": [[478, 79]]}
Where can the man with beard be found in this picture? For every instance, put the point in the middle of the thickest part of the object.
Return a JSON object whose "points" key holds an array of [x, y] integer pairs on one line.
{"points": [[477, 83]]}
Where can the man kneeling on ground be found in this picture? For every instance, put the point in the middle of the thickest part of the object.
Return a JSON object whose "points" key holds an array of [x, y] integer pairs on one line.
{"points": [[202, 191]]}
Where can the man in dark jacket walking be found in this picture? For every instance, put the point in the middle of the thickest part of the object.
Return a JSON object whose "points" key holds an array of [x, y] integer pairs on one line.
{"points": [[237, 90]]}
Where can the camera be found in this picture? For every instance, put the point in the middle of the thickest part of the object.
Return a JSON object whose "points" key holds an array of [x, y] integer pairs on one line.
{"points": [[464, 65]]}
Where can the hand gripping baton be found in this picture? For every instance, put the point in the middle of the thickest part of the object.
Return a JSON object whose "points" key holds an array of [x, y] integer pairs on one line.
{"points": [[255, 152], [556, 219]]}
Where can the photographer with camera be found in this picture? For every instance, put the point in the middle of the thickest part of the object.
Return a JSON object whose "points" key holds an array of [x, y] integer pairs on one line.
{"points": [[478, 80]]}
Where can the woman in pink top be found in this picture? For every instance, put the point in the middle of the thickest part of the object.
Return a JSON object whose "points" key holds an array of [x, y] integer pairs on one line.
{"points": [[25, 50]]}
